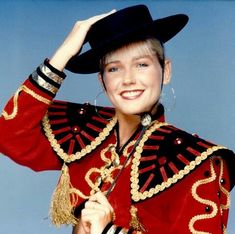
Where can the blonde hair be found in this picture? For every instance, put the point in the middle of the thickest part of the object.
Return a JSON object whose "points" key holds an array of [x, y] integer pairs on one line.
{"points": [[148, 46]]}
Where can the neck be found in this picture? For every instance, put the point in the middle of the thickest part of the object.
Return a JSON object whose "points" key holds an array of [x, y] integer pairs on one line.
{"points": [[127, 126]]}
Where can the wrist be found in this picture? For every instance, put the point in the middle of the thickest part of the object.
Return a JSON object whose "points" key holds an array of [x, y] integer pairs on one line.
{"points": [[60, 59], [53, 71]]}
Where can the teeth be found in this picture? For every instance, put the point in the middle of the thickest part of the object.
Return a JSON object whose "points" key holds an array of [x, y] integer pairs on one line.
{"points": [[131, 93]]}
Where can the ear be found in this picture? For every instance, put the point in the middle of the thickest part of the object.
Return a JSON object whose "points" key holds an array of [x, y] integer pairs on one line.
{"points": [[167, 72], [101, 80]]}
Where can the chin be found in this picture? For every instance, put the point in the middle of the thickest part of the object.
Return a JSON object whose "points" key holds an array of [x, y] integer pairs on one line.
{"points": [[133, 111]]}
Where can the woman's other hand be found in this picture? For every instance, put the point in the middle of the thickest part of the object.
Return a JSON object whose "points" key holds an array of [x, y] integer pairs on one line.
{"points": [[97, 214]]}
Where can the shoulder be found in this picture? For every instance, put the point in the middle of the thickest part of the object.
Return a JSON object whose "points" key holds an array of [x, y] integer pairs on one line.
{"points": [[168, 155], [74, 130], [175, 141]]}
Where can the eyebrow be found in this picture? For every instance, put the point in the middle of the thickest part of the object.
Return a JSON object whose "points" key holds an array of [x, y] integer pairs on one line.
{"points": [[148, 56]]}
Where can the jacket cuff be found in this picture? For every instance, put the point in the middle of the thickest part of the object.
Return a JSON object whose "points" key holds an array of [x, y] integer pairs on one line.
{"points": [[113, 229], [47, 78]]}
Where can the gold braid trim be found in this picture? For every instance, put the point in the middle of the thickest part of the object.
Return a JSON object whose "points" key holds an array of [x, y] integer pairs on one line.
{"points": [[223, 189], [72, 157], [135, 194], [203, 201], [105, 173], [78, 193], [15, 101]]}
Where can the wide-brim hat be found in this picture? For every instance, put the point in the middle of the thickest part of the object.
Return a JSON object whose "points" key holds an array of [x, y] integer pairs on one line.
{"points": [[124, 26]]}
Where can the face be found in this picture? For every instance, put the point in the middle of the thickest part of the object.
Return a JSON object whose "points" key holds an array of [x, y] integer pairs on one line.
{"points": [[133, 79]]}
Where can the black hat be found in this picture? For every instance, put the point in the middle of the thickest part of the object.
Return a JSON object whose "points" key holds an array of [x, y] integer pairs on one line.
{"points": [[126, 25]]}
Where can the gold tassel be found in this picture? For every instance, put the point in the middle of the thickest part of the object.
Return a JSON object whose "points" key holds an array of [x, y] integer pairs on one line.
{"points": [[135, 223], [62, 203]]}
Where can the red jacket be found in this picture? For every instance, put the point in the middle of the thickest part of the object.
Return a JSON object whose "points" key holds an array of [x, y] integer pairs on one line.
{"points": [[178, 182]]}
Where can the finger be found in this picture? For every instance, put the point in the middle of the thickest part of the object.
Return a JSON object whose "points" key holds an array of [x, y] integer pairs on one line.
{"points": [[96, 18], [98, 219], [91, 217], [87, 212], [109, 211], [101, 198], [86, 226], [92, 222], [94, 206], [91, 204], [80, 228]]}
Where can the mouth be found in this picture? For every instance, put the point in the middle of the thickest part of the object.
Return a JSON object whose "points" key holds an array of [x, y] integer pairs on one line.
{"points": [[131, 94]]}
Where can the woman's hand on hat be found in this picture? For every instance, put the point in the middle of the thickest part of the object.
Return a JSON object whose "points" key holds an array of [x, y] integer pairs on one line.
{"points": [[97, 214], [74, 41]]}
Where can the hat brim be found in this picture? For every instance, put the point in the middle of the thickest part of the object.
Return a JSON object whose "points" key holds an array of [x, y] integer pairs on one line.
{"points": [[163, 29]]}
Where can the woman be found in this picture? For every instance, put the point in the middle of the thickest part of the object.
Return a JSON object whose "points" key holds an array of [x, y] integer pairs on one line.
{"points": [[124, 169]]}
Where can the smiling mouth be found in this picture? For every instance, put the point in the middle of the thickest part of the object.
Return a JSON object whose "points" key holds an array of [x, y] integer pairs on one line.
{"points": [[131, 94]]}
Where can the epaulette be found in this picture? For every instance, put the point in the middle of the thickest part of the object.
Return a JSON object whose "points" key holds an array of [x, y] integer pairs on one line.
{"points": [[74, 130], [165, 156]]}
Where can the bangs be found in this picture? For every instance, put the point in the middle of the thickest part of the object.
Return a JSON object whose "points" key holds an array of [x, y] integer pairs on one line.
{"points": [[140, 48]]}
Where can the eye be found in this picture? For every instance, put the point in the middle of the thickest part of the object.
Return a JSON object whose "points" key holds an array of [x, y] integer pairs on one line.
{"points": [[141, 65], [112, 69]]}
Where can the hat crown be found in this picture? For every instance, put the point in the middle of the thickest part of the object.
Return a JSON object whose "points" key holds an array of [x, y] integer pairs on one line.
{"points": [[118, 23]]}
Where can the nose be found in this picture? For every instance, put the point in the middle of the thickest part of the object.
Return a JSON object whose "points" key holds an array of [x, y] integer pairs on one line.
{"points": [[128, 77]]}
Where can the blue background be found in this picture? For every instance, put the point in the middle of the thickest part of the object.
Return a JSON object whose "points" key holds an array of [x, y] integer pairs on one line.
{"points": [[203, 79]]}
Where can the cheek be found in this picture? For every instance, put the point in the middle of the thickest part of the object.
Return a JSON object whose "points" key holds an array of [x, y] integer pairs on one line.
{"points": [[155, 80], [111, 87], [111, 84]]}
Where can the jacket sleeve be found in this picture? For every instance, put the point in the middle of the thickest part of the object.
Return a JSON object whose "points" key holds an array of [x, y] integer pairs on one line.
{"points": [[21, 135]]}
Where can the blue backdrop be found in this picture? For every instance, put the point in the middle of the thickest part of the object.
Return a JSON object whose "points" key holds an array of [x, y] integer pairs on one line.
{"points": [[203, 79]]}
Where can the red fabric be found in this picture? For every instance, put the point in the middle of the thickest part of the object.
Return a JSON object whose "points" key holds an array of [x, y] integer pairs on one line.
{"points": [[170, 211], [21, 138]]}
